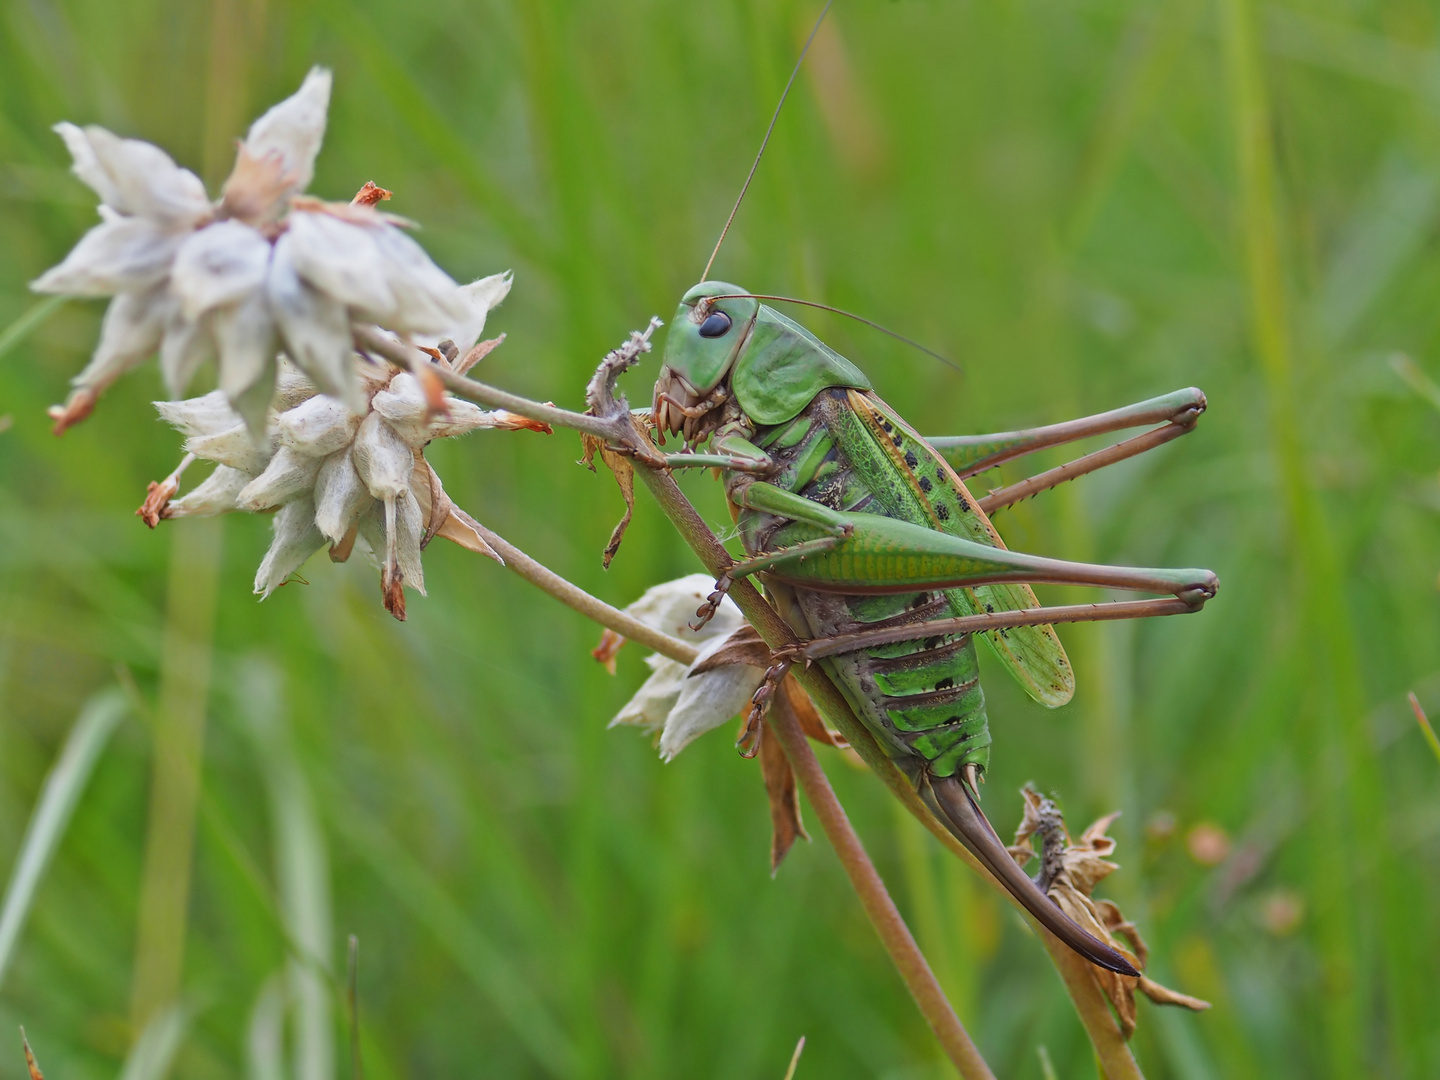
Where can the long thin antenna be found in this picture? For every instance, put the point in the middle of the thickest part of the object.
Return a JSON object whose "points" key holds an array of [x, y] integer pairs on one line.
{"points": [[849, 315], [765, 141]]}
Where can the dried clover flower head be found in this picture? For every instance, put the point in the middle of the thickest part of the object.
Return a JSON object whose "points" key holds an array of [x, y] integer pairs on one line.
{"points": [[263, 269], [332, 475], [682, 701], [1069, 872], [679, 707]]}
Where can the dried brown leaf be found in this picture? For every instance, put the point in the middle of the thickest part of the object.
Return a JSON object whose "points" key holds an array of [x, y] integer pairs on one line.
{"points": [[809, 716], [785, 824], [624, 473]]}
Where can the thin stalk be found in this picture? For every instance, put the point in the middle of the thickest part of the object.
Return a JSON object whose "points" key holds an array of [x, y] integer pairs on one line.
{"points": [[592, 607], [909, 961], [370, 339]]}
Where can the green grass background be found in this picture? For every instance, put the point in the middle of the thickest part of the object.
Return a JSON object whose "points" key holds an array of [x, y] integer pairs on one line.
{"points": [[1086, 204]]}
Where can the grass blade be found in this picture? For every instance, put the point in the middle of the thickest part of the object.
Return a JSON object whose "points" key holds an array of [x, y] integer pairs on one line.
{"points": [[1424, 722], [302, 871], [265, 1035], [154, 1052], [20, 329], [58, 797], [795, 1059]]}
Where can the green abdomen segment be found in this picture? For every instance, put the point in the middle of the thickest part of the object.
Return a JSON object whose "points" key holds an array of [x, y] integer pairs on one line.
{"points": [[922, 698]]}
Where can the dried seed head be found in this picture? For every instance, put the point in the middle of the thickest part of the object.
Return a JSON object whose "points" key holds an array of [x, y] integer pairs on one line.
{"points": [[329, 474], [262, 269], [1069, 872]]}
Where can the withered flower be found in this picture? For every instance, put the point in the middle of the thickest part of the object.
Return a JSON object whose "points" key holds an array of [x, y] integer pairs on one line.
{"points": [[261, 270], [681, 707], [682, 701], [1069, 872], [331, 475]]}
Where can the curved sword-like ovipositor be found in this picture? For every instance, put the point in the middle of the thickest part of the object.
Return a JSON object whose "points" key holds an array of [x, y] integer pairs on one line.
{"points": [[950, 800]]}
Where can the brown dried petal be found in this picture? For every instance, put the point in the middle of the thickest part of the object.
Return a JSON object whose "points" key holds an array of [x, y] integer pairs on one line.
{"points": [[744, 646], [608, 649], [1023, 850], [480, 350], [370, 194], [79, 405], [1162, 995], [157, 497], [1084, 864]]}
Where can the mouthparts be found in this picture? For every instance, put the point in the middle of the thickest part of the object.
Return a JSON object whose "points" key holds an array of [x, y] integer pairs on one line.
{"points": [[682, 410]]}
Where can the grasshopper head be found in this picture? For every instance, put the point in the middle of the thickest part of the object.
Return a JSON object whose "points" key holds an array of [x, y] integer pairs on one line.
{"points": [[704, 340]]}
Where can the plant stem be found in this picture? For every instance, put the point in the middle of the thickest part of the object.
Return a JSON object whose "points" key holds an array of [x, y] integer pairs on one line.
{"points": [[909, 961], [627, 625], [370, 339]]}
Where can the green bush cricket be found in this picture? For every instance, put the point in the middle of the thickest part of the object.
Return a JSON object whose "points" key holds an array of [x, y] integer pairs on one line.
{"points": [[878, 556]]}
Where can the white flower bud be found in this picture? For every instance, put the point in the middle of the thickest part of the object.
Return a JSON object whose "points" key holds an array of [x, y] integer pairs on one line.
{"points": [[318, 427], [199, 416], [340, 496], [315, 329], [218, 493], [343, 260], [289, 474], [132, 328], [347, 475], [135, 178], [708, 700], [685, 705], [382, 459], [115, 256], [262, 269], [293, 130], [296, 539], [233, 447], [656, 697], [221, 264]]}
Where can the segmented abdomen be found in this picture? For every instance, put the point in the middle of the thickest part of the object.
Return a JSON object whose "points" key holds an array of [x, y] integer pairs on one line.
{"points": [[920, 698]]}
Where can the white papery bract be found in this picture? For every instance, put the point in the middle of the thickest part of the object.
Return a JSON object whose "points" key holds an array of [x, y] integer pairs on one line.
{"points": [[675, 701], [332, 475], [262, 269]]}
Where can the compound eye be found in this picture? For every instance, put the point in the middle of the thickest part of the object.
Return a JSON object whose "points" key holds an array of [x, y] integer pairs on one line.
{"points": [[716, 324]]}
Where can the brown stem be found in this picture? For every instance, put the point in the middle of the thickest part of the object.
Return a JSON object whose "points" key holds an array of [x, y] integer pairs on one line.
{"points": [[371, 339], [909, 961], [567, 593]]}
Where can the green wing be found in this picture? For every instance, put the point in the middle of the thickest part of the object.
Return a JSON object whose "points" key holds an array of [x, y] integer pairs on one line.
{"points": [[1033, 654]]}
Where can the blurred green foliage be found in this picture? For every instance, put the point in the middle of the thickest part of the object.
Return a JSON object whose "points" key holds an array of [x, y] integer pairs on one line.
{"points": [[1055, 194]]}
